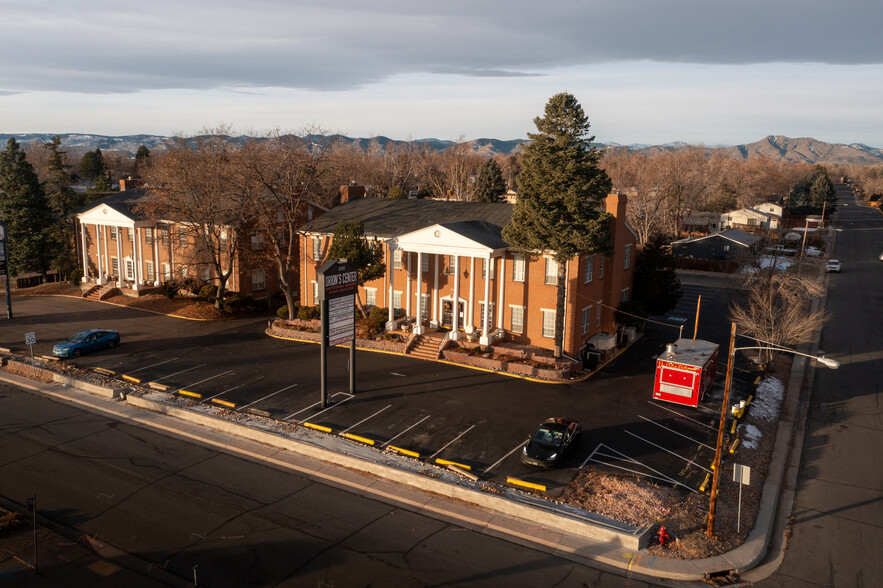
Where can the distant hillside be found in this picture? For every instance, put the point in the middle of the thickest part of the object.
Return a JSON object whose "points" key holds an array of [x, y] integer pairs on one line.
{"points": [[779, 148]]}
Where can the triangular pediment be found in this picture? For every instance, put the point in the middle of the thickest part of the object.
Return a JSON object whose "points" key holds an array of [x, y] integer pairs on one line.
{"points": [[471, 238], [103, 214]]}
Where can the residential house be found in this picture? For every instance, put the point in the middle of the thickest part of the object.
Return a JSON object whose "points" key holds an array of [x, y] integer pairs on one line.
{"points": [[764, 216], [729, 245], [449, 267]]}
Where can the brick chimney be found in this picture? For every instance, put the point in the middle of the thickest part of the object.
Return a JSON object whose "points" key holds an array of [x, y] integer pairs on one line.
{"points": [[350, 192]]}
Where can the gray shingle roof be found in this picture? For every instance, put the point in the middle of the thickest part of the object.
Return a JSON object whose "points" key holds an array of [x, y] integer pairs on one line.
{"points": [[126, 202], [386, 218]]}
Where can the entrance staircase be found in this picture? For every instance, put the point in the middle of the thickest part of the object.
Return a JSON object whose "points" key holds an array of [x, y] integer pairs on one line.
{"points": [[425, 346], [99, 293]]}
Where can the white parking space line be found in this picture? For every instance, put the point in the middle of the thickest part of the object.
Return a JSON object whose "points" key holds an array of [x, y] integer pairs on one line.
{"points": [[269, 395], [398, 374], [406, 430], [205, 380], [224, 392], [368, 419], [147, 367], [176, 373], [499, 461], [682, 416], [659, 476], [351, 396], [451, 441], [583, 464], [681, 457], [675, 432]]}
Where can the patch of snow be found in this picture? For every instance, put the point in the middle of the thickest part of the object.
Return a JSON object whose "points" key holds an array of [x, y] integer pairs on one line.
{"points": [[750, 436], [768, 399]]}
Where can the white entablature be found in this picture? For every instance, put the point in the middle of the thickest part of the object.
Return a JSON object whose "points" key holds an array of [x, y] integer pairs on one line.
{"points": [[463, 238]]}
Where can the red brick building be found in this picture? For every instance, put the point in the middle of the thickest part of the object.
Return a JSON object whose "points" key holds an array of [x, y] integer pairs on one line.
{"points": [[448, 264]]}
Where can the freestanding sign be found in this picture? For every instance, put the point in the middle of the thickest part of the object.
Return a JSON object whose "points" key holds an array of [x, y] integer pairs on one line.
{"points": [[742, 476], [338, 284]]}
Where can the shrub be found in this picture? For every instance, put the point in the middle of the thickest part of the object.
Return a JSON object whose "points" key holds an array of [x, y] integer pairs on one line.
{"points": [[170, 288], [282, 312], [875, 197], [192, 285], [236, 302], [76, 277], [308, 313], [208, 291]]}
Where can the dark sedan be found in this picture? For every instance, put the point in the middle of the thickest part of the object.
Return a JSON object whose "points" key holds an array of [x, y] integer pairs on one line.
{"points": [[86, 341], [548, 446]]}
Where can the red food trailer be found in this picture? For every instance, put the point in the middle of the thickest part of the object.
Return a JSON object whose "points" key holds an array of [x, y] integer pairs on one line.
{"points": [[685, 372]]}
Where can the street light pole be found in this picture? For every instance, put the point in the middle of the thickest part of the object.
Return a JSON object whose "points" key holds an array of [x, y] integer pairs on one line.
{"points": [[718, 448]]}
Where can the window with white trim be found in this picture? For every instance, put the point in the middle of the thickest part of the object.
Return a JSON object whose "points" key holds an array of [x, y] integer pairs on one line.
{"points": [[397, 299], [166, 271], [315, 292], [130, 269], [517, 269], [589, 269], [551, 271], [182, 237], [130, 233], [598, 314], [317, 248], [424, 306], [424, 262], [517, 319], [396, 259], [601, 268], [257, 241], [184, 271], [587, 319], [113, 233], [624, 296], [164, 235], [628, 256], [549, 323], [258, 279], [115, 267], [148, 235], [206, 274], [450, 269], [490, 318], [151, 276], [370, 297], [484, 263]]}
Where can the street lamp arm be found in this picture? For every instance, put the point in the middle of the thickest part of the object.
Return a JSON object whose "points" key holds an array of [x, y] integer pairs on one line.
{"points": [[831, 363]]}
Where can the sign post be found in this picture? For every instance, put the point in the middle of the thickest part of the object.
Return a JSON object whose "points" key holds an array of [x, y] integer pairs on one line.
{"points": [[338, 284], [742, 476], [4, 268], [30, 339]]}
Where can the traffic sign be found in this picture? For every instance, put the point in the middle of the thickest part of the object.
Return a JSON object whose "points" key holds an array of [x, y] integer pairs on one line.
{"points": [[30, 338]]}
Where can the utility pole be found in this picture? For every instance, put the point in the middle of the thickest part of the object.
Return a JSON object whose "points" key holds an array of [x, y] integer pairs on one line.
{"points": [[718, 450]]}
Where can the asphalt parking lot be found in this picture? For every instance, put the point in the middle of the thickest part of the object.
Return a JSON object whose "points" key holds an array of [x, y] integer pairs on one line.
{"points": [[477, 419]]}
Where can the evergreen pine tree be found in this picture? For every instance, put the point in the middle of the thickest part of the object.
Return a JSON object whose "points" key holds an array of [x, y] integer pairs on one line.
{"points": [[25, 209], [560, 190], [490, 185], [64, 203]]}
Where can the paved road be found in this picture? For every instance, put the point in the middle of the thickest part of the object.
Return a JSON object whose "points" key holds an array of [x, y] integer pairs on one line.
{"points": [[837, 525], [176, 504]]}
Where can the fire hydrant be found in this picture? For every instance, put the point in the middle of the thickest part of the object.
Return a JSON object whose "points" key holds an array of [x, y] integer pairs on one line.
{"points": [[662, 536]]}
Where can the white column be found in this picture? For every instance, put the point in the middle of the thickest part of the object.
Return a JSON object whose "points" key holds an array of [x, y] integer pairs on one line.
{"points": [[98, 243], [390, 325], [104, 240], [85, 253], [408, 286], [419, 329], [157, 267], [136, 258], [120, 260], [502, 278], [470, 319], [435, 322], [455, 333], [484, 339]]}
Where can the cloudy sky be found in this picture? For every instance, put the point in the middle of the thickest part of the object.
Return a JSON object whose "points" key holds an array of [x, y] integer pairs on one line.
{"points": [[645, 71]]}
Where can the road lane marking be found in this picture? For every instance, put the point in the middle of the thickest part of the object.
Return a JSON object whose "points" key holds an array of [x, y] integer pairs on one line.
{"points": [[269, 395], [351, 396], [451, 442], [176, 373], [406, 430], [681, 457], [499, 461], [369, 418], [147, 367], [676, 432]]}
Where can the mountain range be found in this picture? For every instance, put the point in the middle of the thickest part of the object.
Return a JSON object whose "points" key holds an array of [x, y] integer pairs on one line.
{"points": [[776, 147]]}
